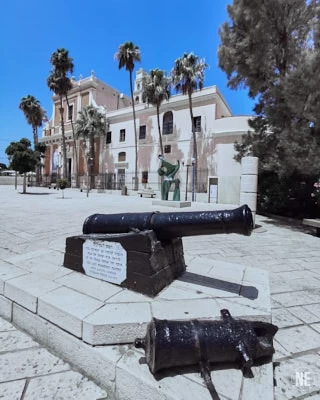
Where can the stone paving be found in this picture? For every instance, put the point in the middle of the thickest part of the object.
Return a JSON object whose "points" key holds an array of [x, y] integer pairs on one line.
{"points": [[291, 254], [29, 372]]}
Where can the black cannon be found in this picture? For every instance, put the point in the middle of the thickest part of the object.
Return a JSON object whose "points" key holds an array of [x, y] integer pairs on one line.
{"points": [[174, 224], [169, 344]]}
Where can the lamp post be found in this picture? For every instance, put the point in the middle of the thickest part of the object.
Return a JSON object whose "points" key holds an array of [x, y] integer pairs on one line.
{"points": [[187, 177], [193, 179]]}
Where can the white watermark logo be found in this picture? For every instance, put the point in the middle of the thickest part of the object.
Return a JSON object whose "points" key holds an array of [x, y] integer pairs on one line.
{"points": [[302, 378]]}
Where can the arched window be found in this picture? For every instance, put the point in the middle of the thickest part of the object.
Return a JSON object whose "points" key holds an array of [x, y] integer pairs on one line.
{"points": [[137, 99], [167, 128], [122, 156]]}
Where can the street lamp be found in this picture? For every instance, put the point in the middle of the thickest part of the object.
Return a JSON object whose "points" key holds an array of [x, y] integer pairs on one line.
{"points": [[193, 161], [187, 177]]}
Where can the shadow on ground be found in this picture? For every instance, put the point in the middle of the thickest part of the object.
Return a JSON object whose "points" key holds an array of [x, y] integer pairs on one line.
{"points": [[288, 223], [36, 193]]}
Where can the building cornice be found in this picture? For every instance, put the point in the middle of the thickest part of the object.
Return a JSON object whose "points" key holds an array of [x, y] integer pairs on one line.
{"points": [[178, 100]]}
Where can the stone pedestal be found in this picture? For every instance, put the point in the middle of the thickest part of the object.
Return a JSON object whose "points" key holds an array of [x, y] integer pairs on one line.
{"points": [[135, 260], [171, 203], [249, 183]]}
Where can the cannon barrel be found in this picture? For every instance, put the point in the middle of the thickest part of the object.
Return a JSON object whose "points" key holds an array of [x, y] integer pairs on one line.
{"points": [[174, 224], [170, 344]]}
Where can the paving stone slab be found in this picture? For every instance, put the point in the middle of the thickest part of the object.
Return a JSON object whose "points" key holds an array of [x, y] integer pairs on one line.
{"points": [[12, 390], [15, 340], [63, 385], [89, 286], [297, 377], [5, 308], [304, 314], [26, 289], [117, 323], [283, 318], [29, 363], [5, 326], [294, 298], [186, 309], [316, 327], [261, 385], [294, 339], [67, 308], [8, 271]]}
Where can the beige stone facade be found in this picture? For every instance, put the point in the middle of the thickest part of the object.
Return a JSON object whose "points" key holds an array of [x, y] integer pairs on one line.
{"points": [[216, 128]]}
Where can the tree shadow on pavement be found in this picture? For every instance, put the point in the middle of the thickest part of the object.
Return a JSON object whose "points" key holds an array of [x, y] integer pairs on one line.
{"points": [[36, 194], [288, 223]]}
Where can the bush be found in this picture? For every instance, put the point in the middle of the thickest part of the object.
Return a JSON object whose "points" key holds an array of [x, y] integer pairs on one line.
{"points": [[62, 183], [289, 196]]}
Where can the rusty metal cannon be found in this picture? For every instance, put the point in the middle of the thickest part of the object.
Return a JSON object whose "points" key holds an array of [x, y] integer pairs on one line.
{"points": [[243, 343], [174, 224], [151, 244]]}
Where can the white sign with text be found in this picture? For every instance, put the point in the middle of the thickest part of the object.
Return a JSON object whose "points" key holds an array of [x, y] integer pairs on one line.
{"points": [[105, 260]]}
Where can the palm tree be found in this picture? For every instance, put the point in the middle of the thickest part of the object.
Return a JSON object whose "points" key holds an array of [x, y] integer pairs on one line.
{"points": [[89, 124], [127, 54], [156, 89], [59, 82], [34, 114], [188, 76]]}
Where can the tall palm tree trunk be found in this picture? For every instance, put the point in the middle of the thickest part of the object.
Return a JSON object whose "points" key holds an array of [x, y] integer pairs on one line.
{"points": [[91, 159], [75, 153], [64, 149], [136, 182], [35, 142], [194, 150], [35, 134], [24, 190], [160, 136]]}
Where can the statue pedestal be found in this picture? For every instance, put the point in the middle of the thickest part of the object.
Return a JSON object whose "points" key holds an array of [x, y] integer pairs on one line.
{"points": [[171, 203]]}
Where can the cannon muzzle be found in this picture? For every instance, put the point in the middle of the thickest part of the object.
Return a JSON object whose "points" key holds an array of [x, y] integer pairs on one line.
{"points": [[174, 224]]}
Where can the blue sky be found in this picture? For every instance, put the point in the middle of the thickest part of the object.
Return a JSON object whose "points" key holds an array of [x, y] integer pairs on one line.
{"points": [[92, 31]]}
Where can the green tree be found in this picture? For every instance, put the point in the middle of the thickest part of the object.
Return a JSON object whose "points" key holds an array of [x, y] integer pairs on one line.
{"points": [[156, 89], [34, 114], [23, 159], [187, 77], [127, 54], [89, 124], [271, 48], [60, 83]]}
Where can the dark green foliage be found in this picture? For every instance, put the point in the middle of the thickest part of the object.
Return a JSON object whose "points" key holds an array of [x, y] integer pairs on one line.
{"points": [[272, 49], [156, 89], [22, 158], [34, 114], [3, 166], [290, 196], [62, 183]]}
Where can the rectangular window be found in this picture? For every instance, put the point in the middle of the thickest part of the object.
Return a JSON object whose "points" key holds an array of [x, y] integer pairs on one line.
{"points": [[167, 148], [144, 178], [70, 112], [142, 132], [108, 138], [197, 123], [122, 135], [122, 156]]}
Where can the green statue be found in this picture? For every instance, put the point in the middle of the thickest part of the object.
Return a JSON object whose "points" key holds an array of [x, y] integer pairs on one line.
{"points": [[169, 170]]}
